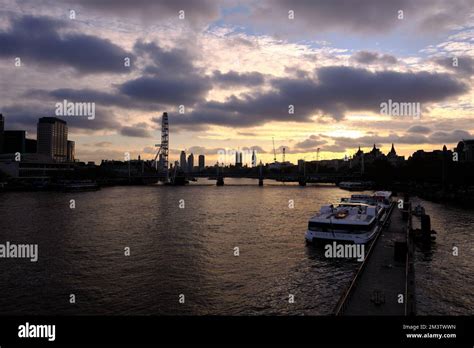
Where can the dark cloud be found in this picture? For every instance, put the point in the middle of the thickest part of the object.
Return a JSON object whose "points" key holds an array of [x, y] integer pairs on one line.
{"points": [[333, 148], [458, 123], [449, 137], [105, 119], [178, 127], [112, 98], [332, 93], [21, 117], [233, 78], [313, 142], [342, 89], [177, 62], [196, 12], [247, 134], [26, 117], [36, 40], [135, 131], [366, 57], [437, 138], [257, 149], [465, 64], [419, 129], [335, 91], [441, 15], [355, 17], [171, 77], [237, 112], [168, 91], [296, 72]]}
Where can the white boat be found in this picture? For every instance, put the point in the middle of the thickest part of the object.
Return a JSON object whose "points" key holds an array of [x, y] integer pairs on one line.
{"points": [[382, 198], [345, 221], [359, 198]]}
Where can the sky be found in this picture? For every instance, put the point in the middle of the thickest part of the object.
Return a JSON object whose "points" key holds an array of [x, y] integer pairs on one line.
{"points": [[232, 74]]}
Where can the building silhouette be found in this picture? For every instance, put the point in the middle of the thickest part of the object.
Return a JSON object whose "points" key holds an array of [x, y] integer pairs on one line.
{"points": [[202, 162], [393, 158], [15, 141], [71, 151], [435, 155], [190, 163], [362, 159], [373, 155], [182, 161], [238, 159], [52, 138], [34, 165], [465, 150]]}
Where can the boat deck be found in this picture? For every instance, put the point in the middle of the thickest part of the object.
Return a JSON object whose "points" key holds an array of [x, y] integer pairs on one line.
{"points": [[353, 213]]}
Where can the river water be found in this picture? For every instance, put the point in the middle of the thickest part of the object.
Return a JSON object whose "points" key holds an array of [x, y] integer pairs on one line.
{"points": [[183, 241]]}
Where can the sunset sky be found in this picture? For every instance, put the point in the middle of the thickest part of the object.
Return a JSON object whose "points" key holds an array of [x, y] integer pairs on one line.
{"points": [[236, 67]]}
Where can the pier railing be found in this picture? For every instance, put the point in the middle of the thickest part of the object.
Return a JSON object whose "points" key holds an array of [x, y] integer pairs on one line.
{"points": [[410, 301]]}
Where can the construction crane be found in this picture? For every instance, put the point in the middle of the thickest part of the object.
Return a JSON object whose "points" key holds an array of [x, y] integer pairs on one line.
{"points": [[317, 160], [274, 152], [163, 148]]}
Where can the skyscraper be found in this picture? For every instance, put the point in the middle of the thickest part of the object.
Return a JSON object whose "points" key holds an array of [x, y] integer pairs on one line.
{"points": [[202, 162], [52, 138], [190, 163], [182, 161], [71, 151], [254, 159], [238, 159]]}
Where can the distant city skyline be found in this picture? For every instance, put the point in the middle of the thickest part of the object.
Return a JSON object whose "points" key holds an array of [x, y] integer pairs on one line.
{"points": [[54, 143], [230, 78]]}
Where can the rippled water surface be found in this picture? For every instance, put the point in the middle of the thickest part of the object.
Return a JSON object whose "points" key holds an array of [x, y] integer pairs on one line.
{"points": [[190, 251]]}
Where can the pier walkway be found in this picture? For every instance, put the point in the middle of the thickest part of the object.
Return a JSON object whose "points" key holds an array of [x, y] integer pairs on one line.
{"points": [[384, 283]]}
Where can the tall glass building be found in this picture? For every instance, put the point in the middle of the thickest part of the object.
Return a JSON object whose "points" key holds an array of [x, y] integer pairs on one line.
{"points": [[52, 138]]}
